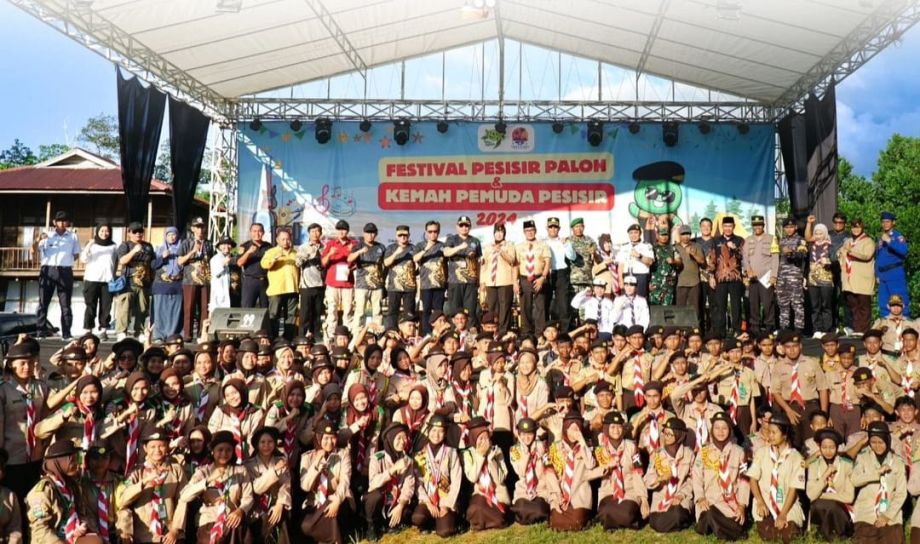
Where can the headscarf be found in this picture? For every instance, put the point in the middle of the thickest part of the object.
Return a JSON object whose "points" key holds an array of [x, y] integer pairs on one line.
{"points": [[168, 373], [368, 351], [99, 241], [820, 229], [414, 418], [352, 415], [172, 265], [820, 248], [286, 392], [240, 386], [82, 383], [132, 379], [55, 467], [394, 362], [203, 458], [389, 434]]}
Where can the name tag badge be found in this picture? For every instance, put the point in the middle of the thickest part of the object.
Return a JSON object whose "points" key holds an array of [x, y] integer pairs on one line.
{"points": [[341, 272]]}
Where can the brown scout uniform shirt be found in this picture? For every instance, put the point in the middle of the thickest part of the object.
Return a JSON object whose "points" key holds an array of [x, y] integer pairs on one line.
{"points": [[339, 466], [237, 493], [811, 378], [450, 476], [659, 466], [135, 501], [13, 419], [708, 486]]}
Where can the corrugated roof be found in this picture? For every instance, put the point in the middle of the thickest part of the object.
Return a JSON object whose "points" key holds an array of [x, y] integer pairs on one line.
{"points": [[30, 178]]}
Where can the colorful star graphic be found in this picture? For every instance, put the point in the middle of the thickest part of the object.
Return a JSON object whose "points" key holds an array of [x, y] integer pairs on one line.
{"points": [[286, 137], [417, 137], [343, 138], [385, 143]]}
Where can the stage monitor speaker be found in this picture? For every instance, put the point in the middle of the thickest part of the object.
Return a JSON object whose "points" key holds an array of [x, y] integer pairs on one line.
{"points": [[679, 316], [233, 323]]}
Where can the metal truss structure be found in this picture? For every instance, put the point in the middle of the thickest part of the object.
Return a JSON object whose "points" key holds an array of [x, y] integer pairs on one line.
{"points": [[224, 182]]}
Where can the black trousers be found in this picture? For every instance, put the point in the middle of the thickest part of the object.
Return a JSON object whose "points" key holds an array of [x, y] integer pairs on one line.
{"points": [[499, 300], [533, 307], [642, 284], [398, 302], [559, 292], [733, 290], [312, 310], [676, 518], [282, 309], [431, 300], [822, 302], [831, 519], [690, 296], [761, 297], [97, 298], [723, 527], [254, 295], [51, 279], [464, 295]]}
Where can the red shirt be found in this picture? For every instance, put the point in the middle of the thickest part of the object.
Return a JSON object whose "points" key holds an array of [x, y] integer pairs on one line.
{"points": [[338, 271]]}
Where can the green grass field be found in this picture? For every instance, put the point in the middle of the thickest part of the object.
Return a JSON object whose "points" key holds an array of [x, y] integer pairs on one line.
{"points": [[541, 534]]}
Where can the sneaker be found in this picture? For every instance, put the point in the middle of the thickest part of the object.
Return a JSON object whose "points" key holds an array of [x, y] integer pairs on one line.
{"points": [[142, 338], [102, 334], [848, 331]]}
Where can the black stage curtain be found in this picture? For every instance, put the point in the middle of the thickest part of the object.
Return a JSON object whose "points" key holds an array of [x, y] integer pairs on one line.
{"points": [[140, 119], [188, 136], [821, 140]]}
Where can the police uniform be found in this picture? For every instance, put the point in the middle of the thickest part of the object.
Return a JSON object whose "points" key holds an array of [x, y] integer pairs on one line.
{"points": [[890, 258], [790, 290], [761, 257]]}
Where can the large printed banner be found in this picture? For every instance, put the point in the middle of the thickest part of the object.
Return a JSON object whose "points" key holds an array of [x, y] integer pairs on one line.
{"points": [[287, 178]]}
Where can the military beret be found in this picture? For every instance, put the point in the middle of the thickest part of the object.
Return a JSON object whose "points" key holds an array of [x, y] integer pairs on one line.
{"points": [[694, 331], [577, 221], [671, 330]]}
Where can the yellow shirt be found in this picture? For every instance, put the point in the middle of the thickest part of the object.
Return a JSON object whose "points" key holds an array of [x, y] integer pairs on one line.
{"points": [[283, 275]]}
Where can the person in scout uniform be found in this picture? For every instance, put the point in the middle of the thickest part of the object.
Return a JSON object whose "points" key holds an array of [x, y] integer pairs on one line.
{"points": [[761, 266], [790, 290], [648, 423], [484, 466], [580, 269], [697, 413], [908, 362], [527, 460], [776, 477], [497, 280], [857, 274], [720, 490], [799, 385], [148, 498], [255, 388], [569, 485], [890, 258], [668, 476], [271, 486], [496, 396], [880, 476], [98, 486], [622, 496], [391, 482], [737, 389], [22, 406], [534, 264], [282, 374], [842, 393], [133, 415], [202, 386], [11, 506], [325, 475], [635, 369], [54, 504], [439, 479], [236, 416], [893, 325], [226, 494], [830, 488], [71, 365]]}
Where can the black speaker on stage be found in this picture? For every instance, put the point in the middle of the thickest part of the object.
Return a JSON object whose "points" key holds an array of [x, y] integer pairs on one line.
{"points": [[679, 316], [232, 323]]}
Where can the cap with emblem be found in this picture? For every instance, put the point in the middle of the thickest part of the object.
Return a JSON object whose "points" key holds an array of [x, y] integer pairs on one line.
{"points": [[402, 229], [632, 227], [635, 329], [599, 344], [527, 425], [862, 374], [529, 224], [895, 300], [722, 416], [552, 222], [731, 343], [174, 340], [437, 420], [757, 220], [599, 282], [61, 448], [676, 425], [847, 348], [789, 337], [655, 330], [828, 434], [198, 222], [614, 418], [370, 228], [789, 222], [671, 330], [630, 280], [887, 216], [464, 220], [156, 434], [340, 352], [564, 392], [98, 449]]}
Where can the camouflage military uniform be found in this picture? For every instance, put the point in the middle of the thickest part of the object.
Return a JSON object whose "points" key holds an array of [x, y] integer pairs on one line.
{"points": [[585, 248], [790, 288], [663, 282]]}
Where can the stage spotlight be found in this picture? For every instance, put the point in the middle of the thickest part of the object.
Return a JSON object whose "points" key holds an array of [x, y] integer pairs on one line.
{"points": [[323, 131], [401, 131], [744, 128], [255, 124], [442, 126], [669, 132], [704, 127], [296, 125], [595, 132], [500, 126], [557, 127], [365, 126], [634, 128]]}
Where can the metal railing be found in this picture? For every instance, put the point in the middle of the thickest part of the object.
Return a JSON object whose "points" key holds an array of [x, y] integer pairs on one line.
{"points": [[18, 259]]}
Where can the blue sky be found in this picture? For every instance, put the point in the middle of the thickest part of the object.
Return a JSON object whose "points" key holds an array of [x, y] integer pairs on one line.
{"points": [[50, 85]]}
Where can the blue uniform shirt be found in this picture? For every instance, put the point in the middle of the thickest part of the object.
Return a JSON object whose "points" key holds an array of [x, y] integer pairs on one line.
{"points": [[890, 256]]}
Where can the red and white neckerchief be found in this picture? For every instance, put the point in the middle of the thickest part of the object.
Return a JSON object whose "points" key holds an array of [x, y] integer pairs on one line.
{"points": [[487, 486], [29, 396], [438, 399], [616, 474], [776, 461], [217, 530], [371, 388], [391, 495], [73, 521], [654, 432], [322, 487], [361, 454], [734, 398], [495, 253], [670, 489], [726, 479], [568, 474], [434, 474], [529, 264], [882, 496], [523, 410], [89, 426], [489, 412], [156, 502], [905, 378], [848, 262], [908, 456], [464, 395], [290, 438], [796, 394], [236, 428], [702, 430], [638, 380], [201, 408], [530, 472], [102, 507], [831, 489], [134, 436], [845, 399]]}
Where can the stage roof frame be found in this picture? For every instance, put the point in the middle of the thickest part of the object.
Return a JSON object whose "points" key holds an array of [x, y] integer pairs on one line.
{"points": [[220, 55]]}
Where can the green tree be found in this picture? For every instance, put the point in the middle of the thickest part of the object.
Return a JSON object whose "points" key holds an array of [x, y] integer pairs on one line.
{"points": [[17, 154], [49, 151], [163, 168], [711, 210], [100, 135]]}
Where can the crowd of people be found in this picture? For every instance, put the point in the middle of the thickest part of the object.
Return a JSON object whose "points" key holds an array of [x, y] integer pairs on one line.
{"points": [[528, 387]]}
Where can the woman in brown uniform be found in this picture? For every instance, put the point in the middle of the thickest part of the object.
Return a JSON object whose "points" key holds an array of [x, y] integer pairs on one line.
{"points": [[465, 397], [830, 488], [668, 476], [80, 420], [226, 493], [54, 503], [360, 425], [202, 387], [236, 416], [325, 475], [622, 496], [391, 482], [439, 477], [570, 490], [135, 415], [414, 415], [271, 485], [879, 475], [10, 512], [529, 503], [722, 496], [289, 416], [174, 410], [484, 466]]}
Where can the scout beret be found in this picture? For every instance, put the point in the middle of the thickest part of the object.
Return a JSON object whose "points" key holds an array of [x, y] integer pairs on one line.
{"points": [[722, 416], [614, 418], [98, 449], [731, 343], [828, 433], [602, 387], [527, 425], [437, 420], [862, 374], [675, 424], [174, 339]]}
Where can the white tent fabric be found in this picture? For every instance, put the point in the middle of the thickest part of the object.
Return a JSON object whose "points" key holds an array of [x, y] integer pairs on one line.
{"points": [[756, 49]]}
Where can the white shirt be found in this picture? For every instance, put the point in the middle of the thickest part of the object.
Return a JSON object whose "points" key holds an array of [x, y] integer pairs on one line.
{"points": [[59, 249], [600, 309], [560, 251], [99, 261], [220, 283], [632, 265], [630, 311]]}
